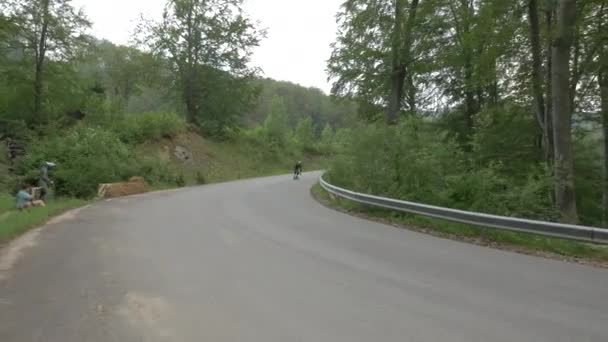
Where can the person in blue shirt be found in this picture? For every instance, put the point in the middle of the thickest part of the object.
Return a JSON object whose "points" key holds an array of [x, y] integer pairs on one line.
{"points": [[26, 200]]}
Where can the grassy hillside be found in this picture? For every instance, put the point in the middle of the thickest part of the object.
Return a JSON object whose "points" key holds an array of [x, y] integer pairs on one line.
{"points": [[160, 147], [13, 223], [223, 161], [210, 161]]}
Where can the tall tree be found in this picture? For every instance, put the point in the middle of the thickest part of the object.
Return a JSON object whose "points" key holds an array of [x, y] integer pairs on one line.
{"points": [[374, 56], [537, 73], [122, 71], [601, 36], [562, 111], [401, 60], [475, 45], [199, 34], [548, 124], [603, 84], [463, 16], [49, 29]]}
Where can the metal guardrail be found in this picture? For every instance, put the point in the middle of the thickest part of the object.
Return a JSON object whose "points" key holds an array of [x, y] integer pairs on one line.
{"points": [[559, 230]]}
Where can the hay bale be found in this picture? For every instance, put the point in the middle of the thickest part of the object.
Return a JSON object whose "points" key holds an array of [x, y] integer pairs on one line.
{"points": [[136, 185]]}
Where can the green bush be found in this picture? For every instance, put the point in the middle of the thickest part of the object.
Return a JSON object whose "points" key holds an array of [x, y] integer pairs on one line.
{"points": [[414, 161], [276, 132], [588, 178], [180, 180], [139, 128], [304, 135], [490, 190], [85, 157], [154, 170], [264, 145], [326, 144], [508, 135], [200, 178]]}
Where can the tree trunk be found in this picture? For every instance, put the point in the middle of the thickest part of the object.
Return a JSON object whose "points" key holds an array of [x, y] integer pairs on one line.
{"points": [[407, 55], [411, 92], [40, 58], [537, 89], [401, 60], [541, 113], [602, 79], [189, 96], [469, 96], [397, 68], [469, 87], [562, 113], [493, 92], [189, 92], [578, 65], [603, 83], [575, 68], [397, 85], [548, 118]]}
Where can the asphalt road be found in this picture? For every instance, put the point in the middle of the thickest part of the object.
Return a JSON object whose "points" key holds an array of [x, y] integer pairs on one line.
{"points": [[260, 260]]}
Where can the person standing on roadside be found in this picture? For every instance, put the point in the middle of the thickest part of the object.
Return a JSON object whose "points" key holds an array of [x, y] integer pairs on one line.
{"points": [[44, 181]]}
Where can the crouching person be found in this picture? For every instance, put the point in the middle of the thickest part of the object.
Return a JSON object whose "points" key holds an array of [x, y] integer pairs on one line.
{"points": [[26, 200]]}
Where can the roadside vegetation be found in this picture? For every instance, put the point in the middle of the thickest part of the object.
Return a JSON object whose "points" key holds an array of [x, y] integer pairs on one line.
{"points": [[13, 223], [512, 241], [492, 106], [105, 113]]}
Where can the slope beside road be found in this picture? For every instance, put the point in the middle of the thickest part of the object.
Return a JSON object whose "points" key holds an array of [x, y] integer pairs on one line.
{"points": [[260, 260]]}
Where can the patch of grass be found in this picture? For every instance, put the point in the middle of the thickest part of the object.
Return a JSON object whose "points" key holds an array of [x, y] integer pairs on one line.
{"points": [[5, 179], [7, 202], [514, 241], [13, 222]]}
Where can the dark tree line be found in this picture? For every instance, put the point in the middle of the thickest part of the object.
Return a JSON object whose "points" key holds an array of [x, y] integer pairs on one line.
{"points": [[457, 59]]}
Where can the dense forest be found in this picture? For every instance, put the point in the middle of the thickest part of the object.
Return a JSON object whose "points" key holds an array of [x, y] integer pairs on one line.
{"points": [[87, 103], [498, 106]]}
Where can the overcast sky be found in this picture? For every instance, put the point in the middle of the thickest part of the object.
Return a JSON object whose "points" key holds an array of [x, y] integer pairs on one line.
{"points": [[299, 32]]}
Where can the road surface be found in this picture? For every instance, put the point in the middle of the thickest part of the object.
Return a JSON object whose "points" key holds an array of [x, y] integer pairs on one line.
{"points": [[260, 260]]}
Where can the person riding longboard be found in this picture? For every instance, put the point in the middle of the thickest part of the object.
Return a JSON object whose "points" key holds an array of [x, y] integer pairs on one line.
{"points": [[297, 170]]}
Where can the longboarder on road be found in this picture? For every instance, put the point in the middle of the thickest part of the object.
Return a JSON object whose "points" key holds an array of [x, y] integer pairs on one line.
{"points": [[297, 170]]}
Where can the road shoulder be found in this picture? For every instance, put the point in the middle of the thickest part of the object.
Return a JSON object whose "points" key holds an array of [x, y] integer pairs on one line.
{"points": [[556, 249]]}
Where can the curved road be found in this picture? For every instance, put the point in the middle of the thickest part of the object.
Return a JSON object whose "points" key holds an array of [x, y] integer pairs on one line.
{"points": [[260, 260]]}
